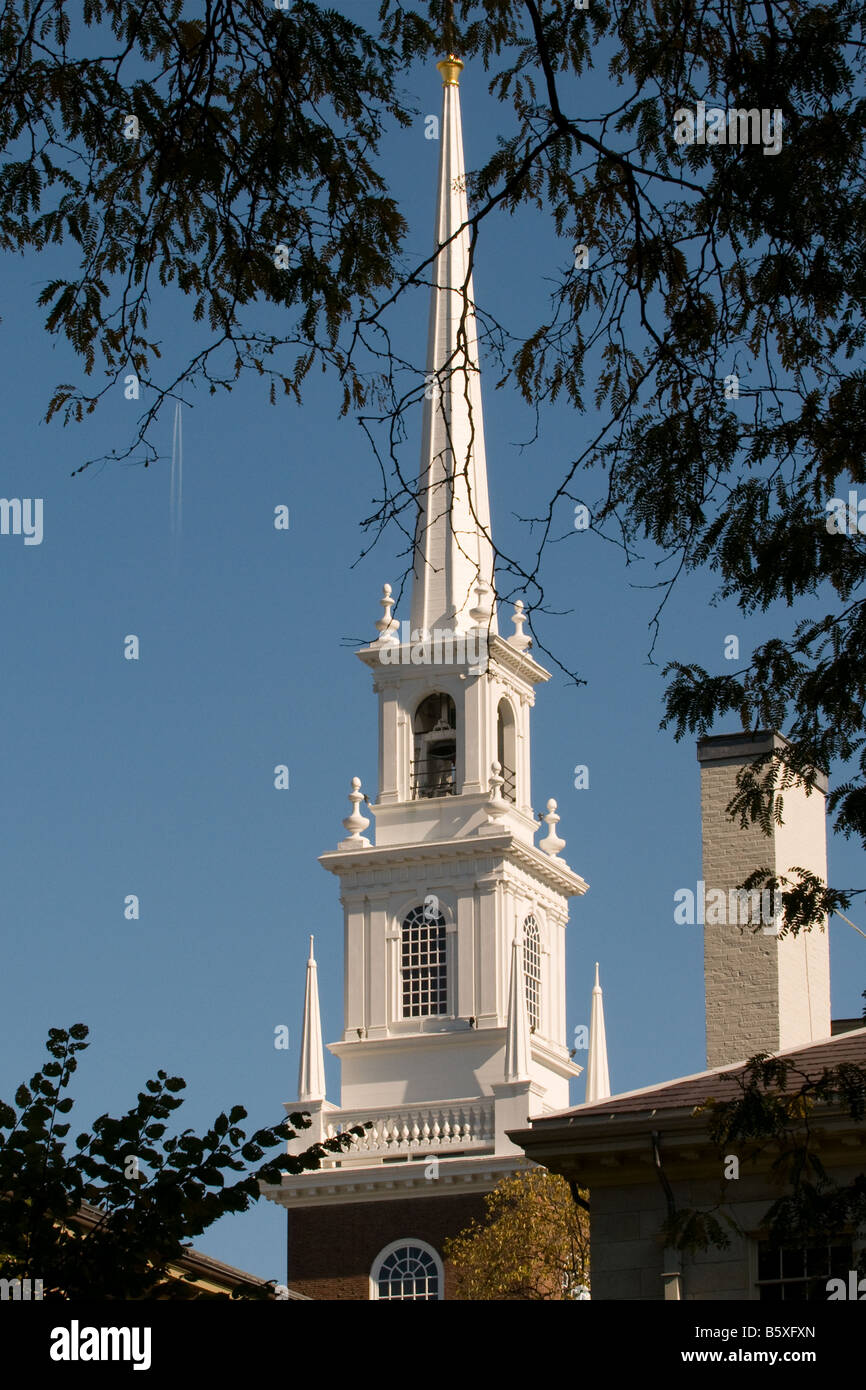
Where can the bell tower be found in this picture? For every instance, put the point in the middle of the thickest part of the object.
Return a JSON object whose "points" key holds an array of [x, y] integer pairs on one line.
{"points": [[455, 1026]]}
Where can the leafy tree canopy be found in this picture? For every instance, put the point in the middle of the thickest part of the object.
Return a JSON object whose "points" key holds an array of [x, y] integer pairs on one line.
{"points": [[155, 1191], [708, 263], [532, 1244]]}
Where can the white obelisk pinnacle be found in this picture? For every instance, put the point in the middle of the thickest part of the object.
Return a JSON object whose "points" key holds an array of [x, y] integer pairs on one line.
{"points": [[597, 1075], [311, 1072]]}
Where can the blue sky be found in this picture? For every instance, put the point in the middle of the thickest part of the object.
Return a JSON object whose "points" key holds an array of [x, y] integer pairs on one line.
{"points": [[155, 777]]}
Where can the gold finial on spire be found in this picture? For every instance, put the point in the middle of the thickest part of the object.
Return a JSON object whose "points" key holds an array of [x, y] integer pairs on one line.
{"points": [[450, 68]]}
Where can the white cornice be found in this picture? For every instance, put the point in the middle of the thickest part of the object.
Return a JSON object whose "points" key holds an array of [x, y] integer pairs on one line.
{"points": [[382, 1182], [550, 870], [554, 1058], [519, 663], [449, 1036]]}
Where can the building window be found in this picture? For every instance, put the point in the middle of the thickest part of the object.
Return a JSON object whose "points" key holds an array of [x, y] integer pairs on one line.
{"points": [[434, 766], [407, 1269], [506, 749], [800, 1274], [423, 964], [532, 969]]}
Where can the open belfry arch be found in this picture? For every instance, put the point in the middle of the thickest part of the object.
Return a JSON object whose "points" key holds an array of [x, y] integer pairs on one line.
{"points": [[455, 1026]]}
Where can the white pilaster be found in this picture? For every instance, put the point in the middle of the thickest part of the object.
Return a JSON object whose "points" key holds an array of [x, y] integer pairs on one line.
{"points": [[517, 1035]]}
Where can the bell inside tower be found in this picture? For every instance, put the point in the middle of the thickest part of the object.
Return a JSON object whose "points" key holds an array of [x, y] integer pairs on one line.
{"points": [[506, 749], [434, 770]]}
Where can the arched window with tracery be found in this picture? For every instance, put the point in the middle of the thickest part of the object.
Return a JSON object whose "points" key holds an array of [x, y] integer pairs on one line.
{"points": [[423, 965], [407, 1270], [532, 969]]}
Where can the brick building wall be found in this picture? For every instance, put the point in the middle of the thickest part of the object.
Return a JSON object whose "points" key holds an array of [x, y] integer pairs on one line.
{"points": [[331, 1249]]}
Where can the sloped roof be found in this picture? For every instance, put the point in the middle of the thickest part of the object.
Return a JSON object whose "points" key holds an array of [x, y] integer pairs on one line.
{"points": [[720, 1082], [204, 1267]]}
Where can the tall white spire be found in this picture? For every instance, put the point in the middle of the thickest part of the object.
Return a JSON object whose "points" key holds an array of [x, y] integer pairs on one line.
{"points": [[597, 1074], [453, 549], [311, 1072], [517, 1034]]}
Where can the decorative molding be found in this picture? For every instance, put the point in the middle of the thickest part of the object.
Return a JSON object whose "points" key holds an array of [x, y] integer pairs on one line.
{"points": [[394, 1181], [552, 872]]}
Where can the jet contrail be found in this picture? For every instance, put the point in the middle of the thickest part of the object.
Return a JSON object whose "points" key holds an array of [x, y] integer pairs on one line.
{"points": [[176, 493]]}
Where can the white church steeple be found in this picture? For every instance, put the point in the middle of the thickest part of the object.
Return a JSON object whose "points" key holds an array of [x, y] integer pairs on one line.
{"points": [[454, 697], [455, 1028], [453, 546], [439, 989]]}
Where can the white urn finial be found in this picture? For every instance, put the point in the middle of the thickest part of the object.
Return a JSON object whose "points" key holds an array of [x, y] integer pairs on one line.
{"points": [[551, 844], [387, 625], [480, 614], [355, 822], [496, 806], [519, 639]]}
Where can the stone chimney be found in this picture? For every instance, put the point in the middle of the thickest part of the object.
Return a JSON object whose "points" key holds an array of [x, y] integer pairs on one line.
{"points": [[763, 993]]}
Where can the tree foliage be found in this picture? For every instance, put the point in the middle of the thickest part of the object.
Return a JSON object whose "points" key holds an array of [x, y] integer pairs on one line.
{"points": [[708, 262], [155, 1191], [533, 1243], [252, 128]]}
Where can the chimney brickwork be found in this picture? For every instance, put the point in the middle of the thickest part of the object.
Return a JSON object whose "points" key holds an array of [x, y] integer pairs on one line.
{"points": [[763, 993]]}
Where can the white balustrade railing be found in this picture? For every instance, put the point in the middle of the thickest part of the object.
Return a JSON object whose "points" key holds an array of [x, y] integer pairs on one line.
{"points": [[422, 1129]]}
